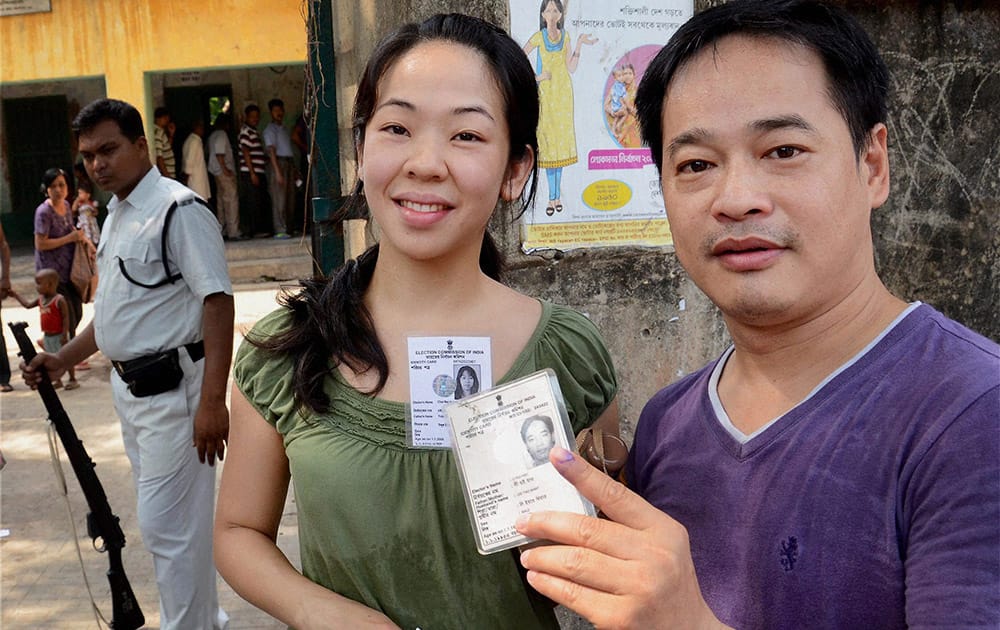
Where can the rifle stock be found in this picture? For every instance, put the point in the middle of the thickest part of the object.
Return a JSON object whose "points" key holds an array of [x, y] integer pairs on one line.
{"points": [[101, 522]]}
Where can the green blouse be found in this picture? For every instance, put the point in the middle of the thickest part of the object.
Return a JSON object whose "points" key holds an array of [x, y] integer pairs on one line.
{"points": [[386, 525]]}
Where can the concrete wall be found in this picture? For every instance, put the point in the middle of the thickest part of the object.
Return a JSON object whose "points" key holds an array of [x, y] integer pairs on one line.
{"points": [[123, 40], [937, 238]]}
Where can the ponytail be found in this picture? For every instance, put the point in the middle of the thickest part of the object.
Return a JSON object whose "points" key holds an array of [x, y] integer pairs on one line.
{"points": [[330, 326]]}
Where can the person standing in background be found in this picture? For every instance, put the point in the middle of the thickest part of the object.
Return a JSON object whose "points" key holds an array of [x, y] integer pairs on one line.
{"points": [[163, 316], [85, 208], [302, 139], [193, 161], [5, 385], [55, 243], [223, 169], [53, 317], [252, 165], [281, 169], [163, 142]]}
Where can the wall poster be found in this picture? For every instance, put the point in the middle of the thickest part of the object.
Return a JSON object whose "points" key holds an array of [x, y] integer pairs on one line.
{"points": [[21, 7], [597, 184]]}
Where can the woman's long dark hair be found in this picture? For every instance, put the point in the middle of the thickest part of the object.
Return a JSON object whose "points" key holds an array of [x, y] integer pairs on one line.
{"points": [[330, 323]]}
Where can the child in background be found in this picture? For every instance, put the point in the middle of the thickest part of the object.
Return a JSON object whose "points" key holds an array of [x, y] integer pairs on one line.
{"points": [[85, 206], [54, 317]]}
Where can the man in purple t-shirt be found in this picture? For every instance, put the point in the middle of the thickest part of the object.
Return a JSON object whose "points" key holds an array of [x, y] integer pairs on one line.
{"points": [[839, 466]]}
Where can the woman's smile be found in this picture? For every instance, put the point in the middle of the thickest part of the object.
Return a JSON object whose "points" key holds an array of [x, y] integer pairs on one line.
{"points": [[423, 207]]}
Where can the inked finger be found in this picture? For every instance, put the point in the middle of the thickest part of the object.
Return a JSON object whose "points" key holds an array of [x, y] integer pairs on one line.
{"points": [[609, 496]]}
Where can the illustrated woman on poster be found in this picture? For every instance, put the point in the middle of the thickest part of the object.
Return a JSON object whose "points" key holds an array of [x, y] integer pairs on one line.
{"points": [[554, 64]]}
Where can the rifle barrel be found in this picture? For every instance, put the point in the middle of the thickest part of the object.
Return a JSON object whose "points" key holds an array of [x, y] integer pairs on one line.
{"points": [[101, 522]]}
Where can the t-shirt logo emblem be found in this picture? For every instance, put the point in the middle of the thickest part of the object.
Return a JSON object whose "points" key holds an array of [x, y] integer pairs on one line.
{"points": [[789, 553]]}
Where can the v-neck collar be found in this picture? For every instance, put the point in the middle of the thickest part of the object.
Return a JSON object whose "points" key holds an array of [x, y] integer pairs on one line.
{"points": [[741, 445]]}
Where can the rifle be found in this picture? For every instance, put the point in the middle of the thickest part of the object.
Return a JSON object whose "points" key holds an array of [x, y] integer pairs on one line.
{"points": [[101, 522]]}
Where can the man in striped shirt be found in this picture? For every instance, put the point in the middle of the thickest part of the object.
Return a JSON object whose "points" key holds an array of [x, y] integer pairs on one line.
{"points": [[162, 143], [252, 175]]}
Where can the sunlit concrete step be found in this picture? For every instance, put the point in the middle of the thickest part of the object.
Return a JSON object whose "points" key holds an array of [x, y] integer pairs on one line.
{"points": [[270, 269], [251, 261]]}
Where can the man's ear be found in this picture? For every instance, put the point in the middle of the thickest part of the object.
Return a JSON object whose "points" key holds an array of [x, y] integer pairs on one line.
{"points": [[875, 165], [517, 175], [142, 144]]}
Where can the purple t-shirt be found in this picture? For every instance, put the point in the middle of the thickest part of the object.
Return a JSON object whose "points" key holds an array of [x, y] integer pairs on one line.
{"points": [[50, 224], [875, 503]]}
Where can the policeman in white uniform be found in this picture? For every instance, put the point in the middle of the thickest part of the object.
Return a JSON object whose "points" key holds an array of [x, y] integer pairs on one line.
{"points": [[163, 314]]}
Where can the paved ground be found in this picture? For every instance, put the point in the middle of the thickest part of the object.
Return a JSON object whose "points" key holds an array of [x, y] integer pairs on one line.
{"points": [[42, 584]]}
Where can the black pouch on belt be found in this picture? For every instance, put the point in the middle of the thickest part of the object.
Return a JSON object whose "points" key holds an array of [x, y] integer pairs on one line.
{"points": [[152, 374]]}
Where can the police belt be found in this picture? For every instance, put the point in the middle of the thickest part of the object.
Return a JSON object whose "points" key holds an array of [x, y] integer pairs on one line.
{"points": [[195, 350]]}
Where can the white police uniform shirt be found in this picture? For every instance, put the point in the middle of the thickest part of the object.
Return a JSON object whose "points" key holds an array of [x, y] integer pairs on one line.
{"points": [[132, 321]]}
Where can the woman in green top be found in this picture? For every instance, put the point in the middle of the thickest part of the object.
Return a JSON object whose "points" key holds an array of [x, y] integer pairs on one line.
{"points": [[444, 122]]}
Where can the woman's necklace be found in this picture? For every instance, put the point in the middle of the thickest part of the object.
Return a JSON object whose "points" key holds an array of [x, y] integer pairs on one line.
{"points": [[67, 220]]}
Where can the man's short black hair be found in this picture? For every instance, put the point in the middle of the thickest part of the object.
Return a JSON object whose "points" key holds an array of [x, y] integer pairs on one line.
{"points": [[275, 102], [160, 112], [250, 108], [124, 115], [547, 421], [858, 78]]}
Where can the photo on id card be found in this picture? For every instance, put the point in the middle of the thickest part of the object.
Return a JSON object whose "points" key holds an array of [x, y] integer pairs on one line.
{"points": [[501, 440]]}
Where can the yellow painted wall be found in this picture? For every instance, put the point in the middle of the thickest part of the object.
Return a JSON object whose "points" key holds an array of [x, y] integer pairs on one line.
{"points": [[123, 40]]}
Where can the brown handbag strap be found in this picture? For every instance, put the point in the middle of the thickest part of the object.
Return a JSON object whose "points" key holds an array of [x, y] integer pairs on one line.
{"points": [[596, 441]]}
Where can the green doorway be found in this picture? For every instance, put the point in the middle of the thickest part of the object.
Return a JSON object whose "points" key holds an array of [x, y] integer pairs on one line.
{"points": [[188, 104], [38, 136]]}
